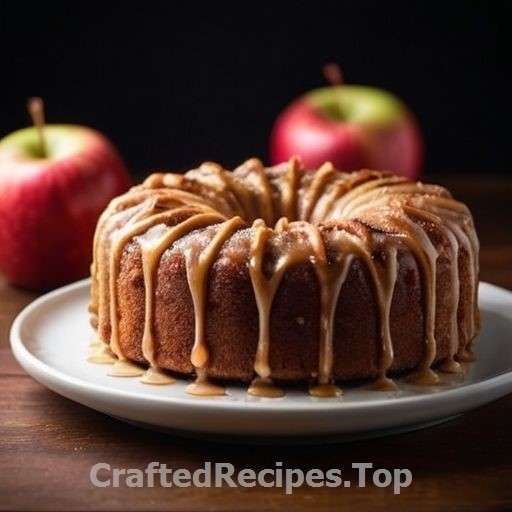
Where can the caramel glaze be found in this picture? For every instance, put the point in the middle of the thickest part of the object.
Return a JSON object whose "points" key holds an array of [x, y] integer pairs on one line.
{"points": [[308, 216]]}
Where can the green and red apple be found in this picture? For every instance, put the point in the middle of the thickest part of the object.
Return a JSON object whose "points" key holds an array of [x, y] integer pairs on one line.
{"points": [[353, 127], [51, 197]]}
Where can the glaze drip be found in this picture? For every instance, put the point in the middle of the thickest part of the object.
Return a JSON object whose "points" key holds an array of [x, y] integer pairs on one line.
{"points": [[290, 218], [198, 265]]}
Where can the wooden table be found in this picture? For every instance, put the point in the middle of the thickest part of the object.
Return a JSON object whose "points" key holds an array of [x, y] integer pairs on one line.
{"points": [[48, 444]]}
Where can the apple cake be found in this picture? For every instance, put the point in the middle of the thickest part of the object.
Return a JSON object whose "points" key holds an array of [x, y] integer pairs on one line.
{"points": [[281, 275]]}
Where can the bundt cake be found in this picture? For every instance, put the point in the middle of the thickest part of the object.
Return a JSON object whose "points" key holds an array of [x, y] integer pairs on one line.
{"points": [[277, 275]]}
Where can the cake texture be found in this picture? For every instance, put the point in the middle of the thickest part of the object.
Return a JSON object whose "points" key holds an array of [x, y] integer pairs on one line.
{"points": [[281, 274]]}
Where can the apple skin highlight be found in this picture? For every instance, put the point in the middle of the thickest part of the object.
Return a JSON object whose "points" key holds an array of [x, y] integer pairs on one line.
{"points": [[353, 127], [49, 204]]}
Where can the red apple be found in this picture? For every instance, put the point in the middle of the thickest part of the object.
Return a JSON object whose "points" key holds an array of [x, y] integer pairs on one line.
{"points": [[351, 126], [50, 200]]}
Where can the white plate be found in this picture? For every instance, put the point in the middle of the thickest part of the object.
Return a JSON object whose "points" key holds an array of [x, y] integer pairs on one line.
{"points": [[50, 339]]}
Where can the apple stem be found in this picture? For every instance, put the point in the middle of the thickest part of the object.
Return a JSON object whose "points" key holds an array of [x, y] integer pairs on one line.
{"points": [[333, 74], [35, 108]]}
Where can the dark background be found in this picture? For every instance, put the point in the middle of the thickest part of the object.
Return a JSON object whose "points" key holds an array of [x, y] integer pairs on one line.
{"points": [[173, 84]]}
